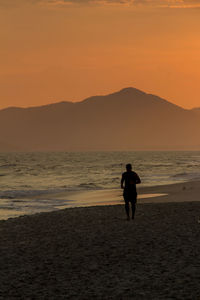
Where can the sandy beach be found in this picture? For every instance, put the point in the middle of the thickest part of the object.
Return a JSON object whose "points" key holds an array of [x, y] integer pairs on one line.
{"points": [[94, 253]]}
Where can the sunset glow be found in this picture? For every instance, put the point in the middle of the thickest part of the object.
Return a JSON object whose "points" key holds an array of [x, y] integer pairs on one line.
{"points": [[59, 50]]}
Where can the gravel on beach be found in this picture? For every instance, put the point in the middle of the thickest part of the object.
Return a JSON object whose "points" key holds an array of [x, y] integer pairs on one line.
{"points": [[94, 253]]}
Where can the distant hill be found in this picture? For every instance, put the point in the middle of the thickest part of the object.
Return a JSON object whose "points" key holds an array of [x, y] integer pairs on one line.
{"points": [[196, 110], [126, 120]]}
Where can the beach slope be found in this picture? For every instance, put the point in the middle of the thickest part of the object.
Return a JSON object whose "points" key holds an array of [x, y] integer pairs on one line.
{"points": [[94, 253]]}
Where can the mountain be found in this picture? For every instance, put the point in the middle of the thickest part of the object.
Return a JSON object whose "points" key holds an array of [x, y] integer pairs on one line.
{"points": [[126, 120], [196, 110]]}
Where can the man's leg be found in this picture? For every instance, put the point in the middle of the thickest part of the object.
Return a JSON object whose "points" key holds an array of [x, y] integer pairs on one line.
{"points": [[127, 208], [133, 205]]}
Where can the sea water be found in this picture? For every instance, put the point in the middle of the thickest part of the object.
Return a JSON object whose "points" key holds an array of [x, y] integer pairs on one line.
{"points": [[30, 174]]}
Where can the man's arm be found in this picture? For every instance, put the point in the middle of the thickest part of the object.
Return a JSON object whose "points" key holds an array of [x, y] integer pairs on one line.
{"points": [[137, 179]]}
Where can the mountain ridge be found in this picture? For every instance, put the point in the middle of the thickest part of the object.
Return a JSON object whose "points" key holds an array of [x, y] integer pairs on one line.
{"points": [[125, 120], [124, 92]]}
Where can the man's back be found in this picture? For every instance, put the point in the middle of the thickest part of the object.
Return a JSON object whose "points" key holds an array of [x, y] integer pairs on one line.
{"points": [[131, 179]]}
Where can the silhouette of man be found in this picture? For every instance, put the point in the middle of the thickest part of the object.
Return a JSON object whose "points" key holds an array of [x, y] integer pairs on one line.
{"points": [[130, 179]]}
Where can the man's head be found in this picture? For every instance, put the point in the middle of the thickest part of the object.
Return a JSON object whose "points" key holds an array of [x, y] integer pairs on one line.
{"points": [[128, 167]]}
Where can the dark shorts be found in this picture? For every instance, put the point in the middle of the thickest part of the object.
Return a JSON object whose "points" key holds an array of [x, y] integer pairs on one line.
{"points": [[130, 196]]}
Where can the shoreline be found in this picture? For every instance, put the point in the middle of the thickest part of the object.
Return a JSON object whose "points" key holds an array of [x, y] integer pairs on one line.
{"points": [[177, 192]]}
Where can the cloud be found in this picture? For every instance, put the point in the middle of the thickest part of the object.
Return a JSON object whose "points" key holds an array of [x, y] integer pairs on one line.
{"points": [[180, 3], [152, 3], [17, 3], [133, 3]]}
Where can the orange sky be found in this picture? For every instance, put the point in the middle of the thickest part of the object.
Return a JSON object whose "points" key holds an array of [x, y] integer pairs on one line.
{"points": [[56, 50]]}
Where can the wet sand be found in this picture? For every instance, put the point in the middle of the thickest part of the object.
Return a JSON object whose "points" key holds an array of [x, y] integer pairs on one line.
{"points": [[94, 253], [178, 192]]}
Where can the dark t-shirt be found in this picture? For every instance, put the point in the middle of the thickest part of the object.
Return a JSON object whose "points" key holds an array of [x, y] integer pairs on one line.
{"points": [[130, 178]]}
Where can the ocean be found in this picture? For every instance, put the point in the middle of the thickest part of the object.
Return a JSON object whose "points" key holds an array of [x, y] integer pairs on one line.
{"points": [[31, 174]]}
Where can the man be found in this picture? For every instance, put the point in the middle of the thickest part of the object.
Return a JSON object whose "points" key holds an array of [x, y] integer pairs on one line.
{"points": [[130, 193]]}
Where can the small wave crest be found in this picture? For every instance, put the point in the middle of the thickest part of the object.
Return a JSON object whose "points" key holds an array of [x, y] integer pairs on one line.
{"points": [[90, 186], [187, 176], [8, 166], [116, 165], [180, 174], [161, 165], [14, 194]]}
